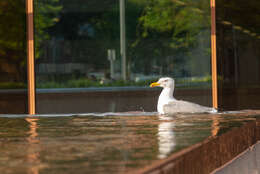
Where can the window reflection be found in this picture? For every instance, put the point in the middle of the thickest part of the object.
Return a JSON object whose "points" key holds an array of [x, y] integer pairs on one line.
{"points": [[215, 126], [78, 45], [238, 42], [13, 57]]}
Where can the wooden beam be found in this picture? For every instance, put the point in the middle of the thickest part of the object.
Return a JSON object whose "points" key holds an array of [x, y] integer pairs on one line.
{"points": [[214, 55], [30, 57]]}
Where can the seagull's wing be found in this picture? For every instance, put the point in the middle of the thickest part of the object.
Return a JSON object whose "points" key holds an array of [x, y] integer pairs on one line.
{"points": [[180, 106]]}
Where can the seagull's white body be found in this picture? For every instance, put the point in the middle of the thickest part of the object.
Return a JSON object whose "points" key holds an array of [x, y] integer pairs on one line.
{"points": [[165, 98], [167, 104]]}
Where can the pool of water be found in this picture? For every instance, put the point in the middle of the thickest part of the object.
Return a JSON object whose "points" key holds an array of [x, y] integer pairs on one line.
{"points": [[101, 143]]}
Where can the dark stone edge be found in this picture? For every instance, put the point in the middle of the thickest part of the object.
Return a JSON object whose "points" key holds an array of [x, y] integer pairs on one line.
{"points": [[208, 155], [246, 152]]}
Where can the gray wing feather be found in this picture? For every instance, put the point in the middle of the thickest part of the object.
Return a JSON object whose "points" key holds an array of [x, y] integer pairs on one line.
{"points": [[180, 106]]}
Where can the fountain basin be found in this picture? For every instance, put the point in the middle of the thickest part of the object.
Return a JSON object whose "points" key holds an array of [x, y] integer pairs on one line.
{"points": [[133, 142]]}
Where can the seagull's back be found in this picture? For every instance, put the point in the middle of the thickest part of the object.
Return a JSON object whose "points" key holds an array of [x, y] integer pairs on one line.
{"points": [[180, 106]]}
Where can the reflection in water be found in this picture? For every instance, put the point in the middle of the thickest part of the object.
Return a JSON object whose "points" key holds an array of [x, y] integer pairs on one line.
{"points": [[33, 130], [215, 126], [166, 137], [102, 143], [33, 153]]}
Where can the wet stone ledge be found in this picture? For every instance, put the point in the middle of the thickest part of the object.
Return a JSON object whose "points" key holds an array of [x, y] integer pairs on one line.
{"points": [[213, 153], [129, 142]]}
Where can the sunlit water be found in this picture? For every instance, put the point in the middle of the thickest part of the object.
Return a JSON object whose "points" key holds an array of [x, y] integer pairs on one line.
{"points": [[101, 142]]}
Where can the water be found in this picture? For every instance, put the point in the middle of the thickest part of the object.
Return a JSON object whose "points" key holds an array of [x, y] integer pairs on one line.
{"points": [[101, 143]]}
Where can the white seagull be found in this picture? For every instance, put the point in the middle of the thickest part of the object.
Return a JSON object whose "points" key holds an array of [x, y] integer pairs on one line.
{"points": [[167, 104]]}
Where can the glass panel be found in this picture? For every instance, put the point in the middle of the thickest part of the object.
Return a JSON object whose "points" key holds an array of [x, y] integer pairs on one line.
{"points": [[13, 71], [90, 57], [238, 43]]}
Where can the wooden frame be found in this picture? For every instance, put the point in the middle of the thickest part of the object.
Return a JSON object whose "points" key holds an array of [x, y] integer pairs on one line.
{"points": [[214, 55], [30, 57]]}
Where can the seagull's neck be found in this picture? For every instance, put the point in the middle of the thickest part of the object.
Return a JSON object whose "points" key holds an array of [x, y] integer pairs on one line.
{"points": [[165, 97], [167, 94]]}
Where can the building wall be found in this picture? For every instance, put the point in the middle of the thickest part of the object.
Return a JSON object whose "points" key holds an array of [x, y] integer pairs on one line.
{"points": [[238, 55]]}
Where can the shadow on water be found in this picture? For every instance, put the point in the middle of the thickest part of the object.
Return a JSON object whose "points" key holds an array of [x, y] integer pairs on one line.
{"points": [[101, 142]]}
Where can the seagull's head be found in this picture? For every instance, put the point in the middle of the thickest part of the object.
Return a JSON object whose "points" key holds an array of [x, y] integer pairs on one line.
{"points": [[165, 82]]}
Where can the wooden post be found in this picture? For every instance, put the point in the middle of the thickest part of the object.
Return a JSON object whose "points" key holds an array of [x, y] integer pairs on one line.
{"points": [[214, 55], [30, 57]]}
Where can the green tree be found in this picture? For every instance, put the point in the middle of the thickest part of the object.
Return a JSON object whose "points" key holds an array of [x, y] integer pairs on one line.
{"points": [[170, 28], [46, 15], [13, 39], [13, 34]]}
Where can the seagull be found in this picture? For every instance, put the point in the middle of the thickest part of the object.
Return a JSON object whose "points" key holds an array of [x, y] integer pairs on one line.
{"points": [[167, 104]]}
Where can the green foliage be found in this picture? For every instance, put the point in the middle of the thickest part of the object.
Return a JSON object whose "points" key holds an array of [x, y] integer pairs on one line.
{"points": [[11, 27], [158, 15], [13, 42], [161, 35], [86, 83], [207, 78], [13, 38], [167, 31], [46, 15], [180, 19], [12, 85], [80, 83]]}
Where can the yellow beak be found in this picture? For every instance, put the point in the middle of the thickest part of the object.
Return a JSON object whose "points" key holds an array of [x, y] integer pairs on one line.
{"points": [[154, 84]]}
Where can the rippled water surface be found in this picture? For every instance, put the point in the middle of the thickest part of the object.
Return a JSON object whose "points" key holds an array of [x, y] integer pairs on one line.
{"points": [[101, 143]]}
